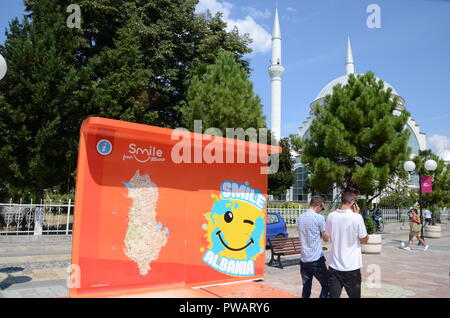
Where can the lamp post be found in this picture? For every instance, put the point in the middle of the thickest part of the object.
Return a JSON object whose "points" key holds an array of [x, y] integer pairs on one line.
{"points": [[3, 67], [410, 166]]}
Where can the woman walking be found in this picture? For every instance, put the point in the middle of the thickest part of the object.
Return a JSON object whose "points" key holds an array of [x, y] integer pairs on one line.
{"points": [[414, 230]]}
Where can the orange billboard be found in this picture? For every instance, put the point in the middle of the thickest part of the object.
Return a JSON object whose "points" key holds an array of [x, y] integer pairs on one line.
{"points": [[153, 211]]}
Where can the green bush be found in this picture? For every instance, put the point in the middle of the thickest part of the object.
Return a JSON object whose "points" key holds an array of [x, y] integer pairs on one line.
{"points": [[284, 205], [370, 225], [291, 205]]}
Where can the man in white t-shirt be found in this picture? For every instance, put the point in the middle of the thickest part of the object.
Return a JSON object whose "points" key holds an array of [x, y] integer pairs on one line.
{"points": [[347, 231]]}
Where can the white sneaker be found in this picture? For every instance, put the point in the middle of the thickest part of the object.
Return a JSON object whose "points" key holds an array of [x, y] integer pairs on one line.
{"points": [[402, 244], [407, 248], [425, 248]]}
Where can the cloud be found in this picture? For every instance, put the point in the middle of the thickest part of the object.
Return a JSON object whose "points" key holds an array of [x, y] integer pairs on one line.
{"points": [[214, 6], [290, 9], [440, 145], [261, 38], [255, 13]]}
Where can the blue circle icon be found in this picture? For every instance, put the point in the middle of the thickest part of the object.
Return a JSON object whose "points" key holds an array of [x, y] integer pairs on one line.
{"points": [[104, 147]]}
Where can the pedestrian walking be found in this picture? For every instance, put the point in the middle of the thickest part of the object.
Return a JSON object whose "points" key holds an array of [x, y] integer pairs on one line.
{"points": [[428, 216], [414, 231], [311, 229], [347, 231]]}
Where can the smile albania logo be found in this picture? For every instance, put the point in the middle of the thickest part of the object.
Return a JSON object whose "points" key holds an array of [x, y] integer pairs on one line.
{"points": [[235, 229]]}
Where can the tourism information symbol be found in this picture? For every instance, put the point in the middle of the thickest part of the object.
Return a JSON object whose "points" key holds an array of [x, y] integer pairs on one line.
{"points": [[143, 222], [104, 147]]}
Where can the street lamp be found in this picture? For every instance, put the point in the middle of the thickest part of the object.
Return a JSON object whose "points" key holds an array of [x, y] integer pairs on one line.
{"points": [[410, 166], [3, 67]]}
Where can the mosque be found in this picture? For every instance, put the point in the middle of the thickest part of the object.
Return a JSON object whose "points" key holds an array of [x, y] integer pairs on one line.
{"points": [[298, 192]]}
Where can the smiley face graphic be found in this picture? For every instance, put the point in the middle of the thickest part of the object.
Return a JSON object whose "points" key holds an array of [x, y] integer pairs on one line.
{"points": [[235, 229]]}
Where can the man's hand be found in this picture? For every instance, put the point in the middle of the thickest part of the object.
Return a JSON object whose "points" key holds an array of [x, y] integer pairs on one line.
{"points": [[364, 240], [325, 236], [355, 208]]}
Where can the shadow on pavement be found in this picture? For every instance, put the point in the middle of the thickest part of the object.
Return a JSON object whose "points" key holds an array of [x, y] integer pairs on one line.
{"points": [[11, 280], [285, 262]]}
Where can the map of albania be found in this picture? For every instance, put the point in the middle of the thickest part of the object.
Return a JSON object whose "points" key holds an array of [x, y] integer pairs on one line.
{"points": [[145, 237]]}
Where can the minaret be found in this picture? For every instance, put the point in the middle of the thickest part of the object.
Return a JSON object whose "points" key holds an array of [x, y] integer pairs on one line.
{"points": [[349, 63], [276, 71]]}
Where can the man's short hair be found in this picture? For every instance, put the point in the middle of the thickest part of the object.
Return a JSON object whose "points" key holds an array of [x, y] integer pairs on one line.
{"points": [[348, 197], [317, 200]]}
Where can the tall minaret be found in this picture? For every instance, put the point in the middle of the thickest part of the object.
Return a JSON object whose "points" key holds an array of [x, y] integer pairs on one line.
{"points": [[349, 63], [276, 71]]}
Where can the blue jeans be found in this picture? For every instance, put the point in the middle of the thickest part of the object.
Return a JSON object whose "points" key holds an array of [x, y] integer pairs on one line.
{"points": [[316, 269]]}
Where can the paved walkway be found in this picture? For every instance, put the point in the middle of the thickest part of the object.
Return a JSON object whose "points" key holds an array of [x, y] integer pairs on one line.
{"points": [[34, 267], [38, 268], [401, 273]]}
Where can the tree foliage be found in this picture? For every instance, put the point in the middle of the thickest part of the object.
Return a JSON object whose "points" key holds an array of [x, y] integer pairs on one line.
{"points": [[283, 179], [41, 98], [399, 193], [223, 97], [130, 60], [440, 195], [357, 142]]}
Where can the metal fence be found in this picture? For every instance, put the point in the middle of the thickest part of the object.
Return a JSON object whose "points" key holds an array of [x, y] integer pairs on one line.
{"points": [[289, 214], [57, 218], [36, 219], [389, 214]]}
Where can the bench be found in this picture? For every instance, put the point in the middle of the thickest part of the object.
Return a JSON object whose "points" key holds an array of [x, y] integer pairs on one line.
{"points": [[282, 246]]}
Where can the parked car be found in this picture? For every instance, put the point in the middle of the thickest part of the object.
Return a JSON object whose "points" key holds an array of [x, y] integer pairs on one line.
{"points": [[275, 226]]}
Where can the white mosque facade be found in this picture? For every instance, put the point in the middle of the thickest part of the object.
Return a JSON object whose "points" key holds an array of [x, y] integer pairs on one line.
{"points": [[417, 139]]}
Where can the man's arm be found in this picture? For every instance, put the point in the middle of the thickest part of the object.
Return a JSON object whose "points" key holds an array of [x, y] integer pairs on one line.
{"points": [[362, 235], [322, 229], [325, 236]]}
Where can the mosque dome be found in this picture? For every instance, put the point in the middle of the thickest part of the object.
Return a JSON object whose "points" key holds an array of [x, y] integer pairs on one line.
{"points": [[328, 89], [350, 69]]}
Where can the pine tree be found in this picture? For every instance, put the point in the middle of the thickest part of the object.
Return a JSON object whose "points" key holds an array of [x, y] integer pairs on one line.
{"points": [[223, 97], [357, 142], [41, 98]]}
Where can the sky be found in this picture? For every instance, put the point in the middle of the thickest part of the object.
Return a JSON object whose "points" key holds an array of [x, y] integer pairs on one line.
{"points": [[410, 50]]}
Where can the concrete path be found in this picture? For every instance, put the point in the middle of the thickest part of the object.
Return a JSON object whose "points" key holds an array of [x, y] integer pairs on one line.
{"points": [[34, 267], [395, 273], [37, 267]]}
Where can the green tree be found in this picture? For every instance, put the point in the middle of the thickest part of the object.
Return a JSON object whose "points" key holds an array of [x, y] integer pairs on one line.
{"points": [[123, 92], [41, 98], [398, 192], [356, 140], [440, 195], [172, 38], [131, 60], [223, 97], [283, 179]]}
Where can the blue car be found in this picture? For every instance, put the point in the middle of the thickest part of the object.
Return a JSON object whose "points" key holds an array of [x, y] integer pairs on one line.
{"points": [[275, 226]]}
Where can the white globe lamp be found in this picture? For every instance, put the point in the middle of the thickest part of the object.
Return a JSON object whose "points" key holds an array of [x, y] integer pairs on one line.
{"points": [[409, 166], [430, 165], [3, 67]]}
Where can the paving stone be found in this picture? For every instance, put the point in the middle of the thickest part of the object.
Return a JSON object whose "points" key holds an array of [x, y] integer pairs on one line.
{"points": [[403, 273], [29, 293]]}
